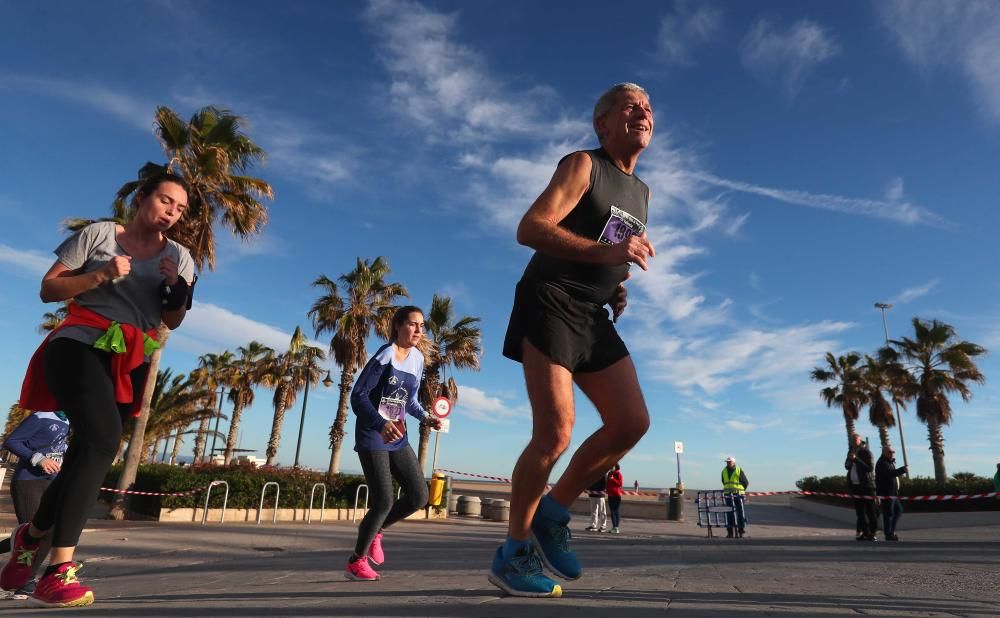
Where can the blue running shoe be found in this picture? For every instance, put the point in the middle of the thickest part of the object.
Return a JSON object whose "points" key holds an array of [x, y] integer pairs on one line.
{"points": [[551, 538], [521, 575]]}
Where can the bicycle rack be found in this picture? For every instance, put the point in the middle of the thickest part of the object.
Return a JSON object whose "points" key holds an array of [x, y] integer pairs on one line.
{"points": [[225, 500], [277, 495], [322, 508], [357, 493]]}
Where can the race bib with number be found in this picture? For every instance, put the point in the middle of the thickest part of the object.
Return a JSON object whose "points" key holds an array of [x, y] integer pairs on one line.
{"points": [[620, 226], [392, 409]]}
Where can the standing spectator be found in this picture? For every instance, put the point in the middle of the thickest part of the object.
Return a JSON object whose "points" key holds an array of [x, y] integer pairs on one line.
{"points": [[861, 479], [637, 484], [598, 505], [734, 486], [996, 479], [887, 485], [615, 482], [39, 443]]}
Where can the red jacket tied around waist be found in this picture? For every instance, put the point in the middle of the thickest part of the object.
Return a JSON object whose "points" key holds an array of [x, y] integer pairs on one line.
{"points": [[35, 393]]}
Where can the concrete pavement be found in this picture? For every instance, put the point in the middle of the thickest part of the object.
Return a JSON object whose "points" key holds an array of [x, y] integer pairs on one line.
{"points": [[793, 563]]}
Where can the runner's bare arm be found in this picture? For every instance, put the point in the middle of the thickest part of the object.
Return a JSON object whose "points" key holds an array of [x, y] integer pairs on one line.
{"points": [[61, 283], [539, 228]]}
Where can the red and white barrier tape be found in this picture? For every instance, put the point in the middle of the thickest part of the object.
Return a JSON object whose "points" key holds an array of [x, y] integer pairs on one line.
{"points": [[626, 492], [151, 493], [933, 498]]}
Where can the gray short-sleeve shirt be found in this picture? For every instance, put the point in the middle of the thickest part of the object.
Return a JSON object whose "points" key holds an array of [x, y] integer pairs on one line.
{"points": [[133, 299]]}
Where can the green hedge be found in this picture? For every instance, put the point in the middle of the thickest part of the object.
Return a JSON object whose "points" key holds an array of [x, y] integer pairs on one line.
{"points": [[960, 483], [245, 484]]}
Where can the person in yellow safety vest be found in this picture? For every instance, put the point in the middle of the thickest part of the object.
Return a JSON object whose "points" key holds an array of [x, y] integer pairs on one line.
{"points": [[734, 486]]}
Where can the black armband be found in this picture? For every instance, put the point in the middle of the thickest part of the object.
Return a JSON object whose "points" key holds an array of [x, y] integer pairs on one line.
{"points": [[173, 297]]}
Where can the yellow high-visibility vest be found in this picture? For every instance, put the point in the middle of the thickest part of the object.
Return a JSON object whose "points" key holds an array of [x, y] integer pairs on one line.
{"points": [[731, 484]]}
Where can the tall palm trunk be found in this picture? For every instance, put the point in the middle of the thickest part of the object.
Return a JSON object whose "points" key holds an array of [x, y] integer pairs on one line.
{"points": [[177, 447], [200, 440], [234, 430], [850, 432], [279, 418], [337, 430], [937, 451], [149, 453], [134, 453], [425, 439], [883, 436]]}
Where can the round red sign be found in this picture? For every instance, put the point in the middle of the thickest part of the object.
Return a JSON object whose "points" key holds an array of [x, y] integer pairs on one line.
{"points": [[442, 407]]}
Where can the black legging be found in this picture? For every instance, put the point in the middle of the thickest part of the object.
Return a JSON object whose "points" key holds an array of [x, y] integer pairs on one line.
{"points": [[380, 468], [614, 503], [80, 378]]}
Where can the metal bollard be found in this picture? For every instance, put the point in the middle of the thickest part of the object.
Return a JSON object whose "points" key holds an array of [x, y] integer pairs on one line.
{"points": [[277, 495], [225, 501]]}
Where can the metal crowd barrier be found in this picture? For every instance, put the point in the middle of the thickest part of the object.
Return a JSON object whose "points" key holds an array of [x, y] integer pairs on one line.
{"points": [[277, 495], [712, 509], [225, 500], [322, 508]]}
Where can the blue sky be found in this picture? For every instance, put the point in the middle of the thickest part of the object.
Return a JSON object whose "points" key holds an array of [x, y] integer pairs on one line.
{"points": [[808, 161]]}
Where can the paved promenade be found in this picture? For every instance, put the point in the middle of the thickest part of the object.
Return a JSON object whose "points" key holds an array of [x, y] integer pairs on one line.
{"points": [[792, 564]]}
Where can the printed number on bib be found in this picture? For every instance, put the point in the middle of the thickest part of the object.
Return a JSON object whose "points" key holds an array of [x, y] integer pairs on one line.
{"points": [[620, 226]]}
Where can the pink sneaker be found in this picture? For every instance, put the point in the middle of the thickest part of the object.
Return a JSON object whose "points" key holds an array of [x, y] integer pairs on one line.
{"points": [[62, 589], [360, 571], [18, 570], [375, 553]]}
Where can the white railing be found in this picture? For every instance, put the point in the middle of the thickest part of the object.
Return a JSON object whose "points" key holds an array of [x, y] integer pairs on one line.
{"points": [[357, 493], [322, 507], [277, 495]]}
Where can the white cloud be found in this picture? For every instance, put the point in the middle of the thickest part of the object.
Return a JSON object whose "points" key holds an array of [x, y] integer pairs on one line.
{"points": [[788, 56], [894, 207], [740, 426], [132, 110], [763, 358], [211, 328], [911, 294], [444, 86], [954, 34], [27, 262], [687, 27], [476, 404]]}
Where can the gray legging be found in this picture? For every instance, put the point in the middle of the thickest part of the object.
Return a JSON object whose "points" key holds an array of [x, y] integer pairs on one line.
{"points": [[380, 468]]}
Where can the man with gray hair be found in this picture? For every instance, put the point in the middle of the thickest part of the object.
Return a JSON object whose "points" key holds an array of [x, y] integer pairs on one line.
{"points": [[587, 227]]}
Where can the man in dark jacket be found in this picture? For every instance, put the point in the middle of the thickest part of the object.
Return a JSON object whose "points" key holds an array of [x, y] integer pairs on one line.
{"points": [[887, 485], [860, 467]]}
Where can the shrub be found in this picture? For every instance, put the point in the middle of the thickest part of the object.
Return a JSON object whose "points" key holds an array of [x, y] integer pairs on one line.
{"points": [[961, 483], [245, 484]]}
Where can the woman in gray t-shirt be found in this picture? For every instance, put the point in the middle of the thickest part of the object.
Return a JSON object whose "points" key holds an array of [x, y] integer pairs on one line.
{"points": [[123, 281]]}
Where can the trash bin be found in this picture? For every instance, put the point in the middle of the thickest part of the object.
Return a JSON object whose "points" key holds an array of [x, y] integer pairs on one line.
{"points": [[675, 504], [436, 493]]}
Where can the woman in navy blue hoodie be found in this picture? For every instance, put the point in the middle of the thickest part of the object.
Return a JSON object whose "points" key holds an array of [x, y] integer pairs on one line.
{"points": [[384, 393], [39, 443]]}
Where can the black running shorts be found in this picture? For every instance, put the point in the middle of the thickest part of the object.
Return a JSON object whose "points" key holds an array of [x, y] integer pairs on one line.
{"points": [[575, 334]]}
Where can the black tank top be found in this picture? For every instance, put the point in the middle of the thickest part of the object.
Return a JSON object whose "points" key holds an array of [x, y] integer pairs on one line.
{"points": [[613, 209]]}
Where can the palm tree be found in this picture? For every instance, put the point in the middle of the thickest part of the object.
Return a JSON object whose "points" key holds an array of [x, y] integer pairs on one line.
{"points": [[457, 345], [247, 371], [937, 363], [289, 373], [847, 390], [368, 306], [213, 155], [52, 319], [177, 402], [214, 371], [15, 415], [878, 377]]}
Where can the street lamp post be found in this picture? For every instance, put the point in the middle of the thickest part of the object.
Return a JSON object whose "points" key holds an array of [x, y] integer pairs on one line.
{"points": [[218, 415], [327, 381], [899, 417]]}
